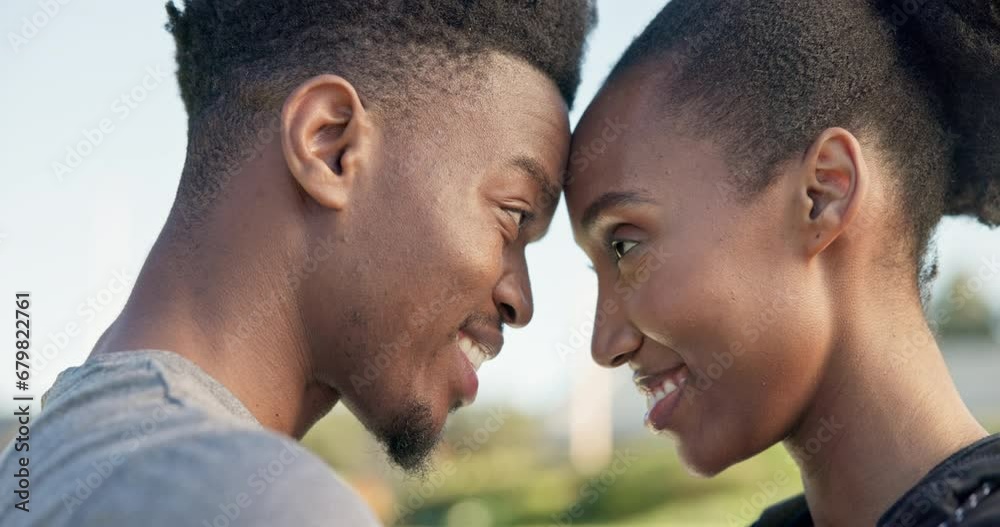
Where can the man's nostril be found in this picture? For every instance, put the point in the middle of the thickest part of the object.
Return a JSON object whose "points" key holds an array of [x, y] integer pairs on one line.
{"points": [[509, 313]]}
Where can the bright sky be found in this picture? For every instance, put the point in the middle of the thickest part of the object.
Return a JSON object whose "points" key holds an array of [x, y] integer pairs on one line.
{"points": [[71, 236]]}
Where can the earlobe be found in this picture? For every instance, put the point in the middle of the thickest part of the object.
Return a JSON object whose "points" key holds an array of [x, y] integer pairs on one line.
{"points": [[326, 138], [834, 186]]}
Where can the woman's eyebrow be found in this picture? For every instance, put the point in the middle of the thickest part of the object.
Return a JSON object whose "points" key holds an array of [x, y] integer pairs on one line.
{"points": [[611, 200]]}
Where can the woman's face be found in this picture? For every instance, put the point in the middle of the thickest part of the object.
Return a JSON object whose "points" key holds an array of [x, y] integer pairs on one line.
{"points": [[695, 290]]}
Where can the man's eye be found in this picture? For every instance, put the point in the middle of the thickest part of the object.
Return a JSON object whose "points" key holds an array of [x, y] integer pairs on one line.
{"points": [[521, 216], [622, 247]]}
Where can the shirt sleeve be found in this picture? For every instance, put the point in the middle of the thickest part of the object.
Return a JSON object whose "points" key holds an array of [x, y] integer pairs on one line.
{"points": [[223, 479]]}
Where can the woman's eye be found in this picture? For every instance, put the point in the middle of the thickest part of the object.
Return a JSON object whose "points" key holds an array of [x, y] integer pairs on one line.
{"points": [[622, 247]]}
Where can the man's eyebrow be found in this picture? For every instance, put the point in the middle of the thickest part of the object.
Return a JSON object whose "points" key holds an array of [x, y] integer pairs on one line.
{"points": [[611, 200], [534, 170]]}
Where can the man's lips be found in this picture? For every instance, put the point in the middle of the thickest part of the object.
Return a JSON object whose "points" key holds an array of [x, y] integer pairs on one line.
{"points": [[479, 344], [476, 346]]}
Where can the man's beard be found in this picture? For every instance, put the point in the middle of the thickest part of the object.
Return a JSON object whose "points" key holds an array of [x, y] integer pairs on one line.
{"points": [[410, 438]]}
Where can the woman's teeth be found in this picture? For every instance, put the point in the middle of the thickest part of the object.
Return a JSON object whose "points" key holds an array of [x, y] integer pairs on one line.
{"points": [[668, 387], [475, 353]]}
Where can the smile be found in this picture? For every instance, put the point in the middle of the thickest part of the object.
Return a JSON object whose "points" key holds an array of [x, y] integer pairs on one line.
{"points": [[473, 351], [663, 393], [476, 347]]}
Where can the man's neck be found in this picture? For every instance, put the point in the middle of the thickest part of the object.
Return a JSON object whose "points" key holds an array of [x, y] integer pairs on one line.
{"points": [[237, 322], [885, 413]]}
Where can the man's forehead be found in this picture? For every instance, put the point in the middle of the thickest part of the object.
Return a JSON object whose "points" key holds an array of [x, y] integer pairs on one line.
{"points": [[545, 179]]}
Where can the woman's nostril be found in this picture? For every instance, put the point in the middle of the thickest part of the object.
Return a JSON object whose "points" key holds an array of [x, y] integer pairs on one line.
{"points": [[619, 360]]}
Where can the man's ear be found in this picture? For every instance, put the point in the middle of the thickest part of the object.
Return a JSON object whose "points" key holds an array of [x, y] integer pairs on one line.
{"points": [[835, 179], [326, 137]]}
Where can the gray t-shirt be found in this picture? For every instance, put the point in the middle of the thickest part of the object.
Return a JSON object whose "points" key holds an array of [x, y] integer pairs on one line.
{"points": [[147, 438]]}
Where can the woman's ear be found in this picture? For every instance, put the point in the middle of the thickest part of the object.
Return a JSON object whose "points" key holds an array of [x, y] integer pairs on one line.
{"points": [[835, 179], [326, 137]]}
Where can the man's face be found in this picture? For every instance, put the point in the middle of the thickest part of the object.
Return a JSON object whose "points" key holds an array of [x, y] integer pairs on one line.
{"points": [[430, 263]]}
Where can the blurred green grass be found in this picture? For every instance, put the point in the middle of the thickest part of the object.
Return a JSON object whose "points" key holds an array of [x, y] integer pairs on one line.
{"points": [[519, 475]]}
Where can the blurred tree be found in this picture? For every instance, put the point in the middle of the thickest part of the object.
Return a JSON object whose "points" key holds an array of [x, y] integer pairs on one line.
{"points": [[962, 311]]}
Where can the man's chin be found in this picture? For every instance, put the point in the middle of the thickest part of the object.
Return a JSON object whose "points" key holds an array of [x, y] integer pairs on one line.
{"points": [[410, 438]]}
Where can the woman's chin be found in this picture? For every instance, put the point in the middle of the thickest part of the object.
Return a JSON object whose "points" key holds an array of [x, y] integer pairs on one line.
{"points": [[703, 469], [702, 460]]}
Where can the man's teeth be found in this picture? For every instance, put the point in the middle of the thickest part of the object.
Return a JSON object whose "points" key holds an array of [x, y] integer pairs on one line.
{"points": [[668, 387], [474, 352]]}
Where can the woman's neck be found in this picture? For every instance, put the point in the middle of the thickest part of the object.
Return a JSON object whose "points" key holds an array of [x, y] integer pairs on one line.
{"points": [[886, 412]]}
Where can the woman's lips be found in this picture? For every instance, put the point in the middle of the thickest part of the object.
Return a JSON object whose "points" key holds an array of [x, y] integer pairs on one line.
{"points": [[663, 393]]}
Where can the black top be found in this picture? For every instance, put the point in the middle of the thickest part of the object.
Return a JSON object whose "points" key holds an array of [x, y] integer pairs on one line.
{"points": [[963, 490]]}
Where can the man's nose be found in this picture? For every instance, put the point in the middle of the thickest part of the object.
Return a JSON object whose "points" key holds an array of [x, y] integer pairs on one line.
{"points": [[512, 296]]}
